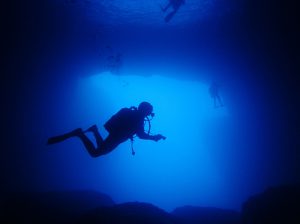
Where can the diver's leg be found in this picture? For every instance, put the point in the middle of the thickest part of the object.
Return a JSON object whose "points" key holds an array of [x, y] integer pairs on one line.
{"points": [[166, 7], [103, 146], [92, 150], [220, 101], [110, 143], [98, 137], [215, 102], [169, 16], [60, 138]]}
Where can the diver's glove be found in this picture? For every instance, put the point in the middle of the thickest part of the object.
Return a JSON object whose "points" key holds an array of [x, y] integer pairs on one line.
{"points": [[158, 137]]}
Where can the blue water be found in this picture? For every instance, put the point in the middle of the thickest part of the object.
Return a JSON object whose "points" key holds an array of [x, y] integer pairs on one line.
{"points": [[212, 156], [206, 160]]}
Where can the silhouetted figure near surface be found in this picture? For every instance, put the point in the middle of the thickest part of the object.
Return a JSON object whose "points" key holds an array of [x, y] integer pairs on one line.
{"points": [[115, 63], [214, 92], [176, 4], [122, 126]]}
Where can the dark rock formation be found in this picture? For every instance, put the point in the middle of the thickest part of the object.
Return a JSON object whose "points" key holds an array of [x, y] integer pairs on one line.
{"points": [[50, 207], [133, 213], [193, 215], [275, 205]]}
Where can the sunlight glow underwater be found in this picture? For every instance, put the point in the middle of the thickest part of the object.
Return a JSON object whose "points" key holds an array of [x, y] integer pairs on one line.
{"points": [[181, 170]]}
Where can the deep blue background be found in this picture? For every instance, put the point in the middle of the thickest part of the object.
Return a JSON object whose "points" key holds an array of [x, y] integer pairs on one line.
{"points": [[54, 80]]}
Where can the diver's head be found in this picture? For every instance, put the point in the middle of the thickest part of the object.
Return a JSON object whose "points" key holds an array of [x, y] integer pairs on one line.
{"points": [[145, 108]]}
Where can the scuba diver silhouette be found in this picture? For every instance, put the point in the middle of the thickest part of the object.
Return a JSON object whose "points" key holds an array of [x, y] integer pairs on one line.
{"points": [[214, 93], [176, 4], [114, 63], [122, 126]]}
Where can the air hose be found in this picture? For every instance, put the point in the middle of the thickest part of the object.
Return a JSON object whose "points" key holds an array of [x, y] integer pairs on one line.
{"points": [[147, 119]]}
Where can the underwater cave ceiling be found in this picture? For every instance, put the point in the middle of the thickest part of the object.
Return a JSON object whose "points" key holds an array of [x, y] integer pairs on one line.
{"points": [[97, 21], [145, 12]]}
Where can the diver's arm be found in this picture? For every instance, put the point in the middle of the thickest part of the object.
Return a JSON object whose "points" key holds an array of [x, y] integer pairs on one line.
{"points": [[146, 136]]}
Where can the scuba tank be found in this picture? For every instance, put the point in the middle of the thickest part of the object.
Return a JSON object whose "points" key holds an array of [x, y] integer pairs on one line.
{"points": [[116, 123]]}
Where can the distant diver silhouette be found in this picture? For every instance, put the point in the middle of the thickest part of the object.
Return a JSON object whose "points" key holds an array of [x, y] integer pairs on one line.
{"points": [[114, 63], [122, 126], [176, 4], [214, 93]]}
